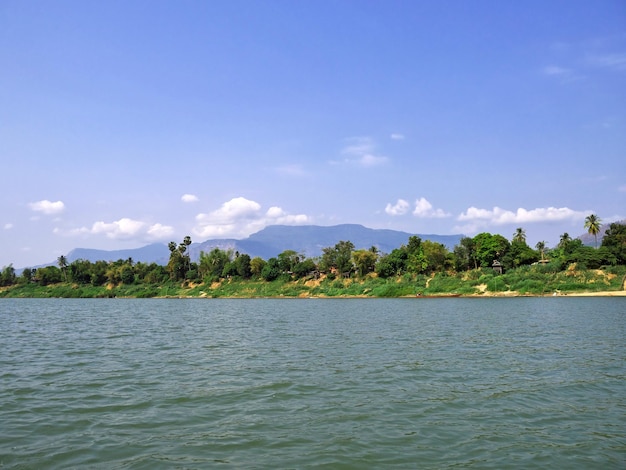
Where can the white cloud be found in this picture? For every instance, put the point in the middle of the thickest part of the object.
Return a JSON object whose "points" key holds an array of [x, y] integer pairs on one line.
{"points": [[189, 198], [358, 146], [8, 226], [122, 229], [395, 136], [399, 208], [241, 217], [425, 209], [360, 150], [622, 188], [498, 216], [47, 207], [160, 232], [371, 160]]}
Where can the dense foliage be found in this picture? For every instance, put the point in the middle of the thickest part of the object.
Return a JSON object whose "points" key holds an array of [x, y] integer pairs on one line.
{"points": [[418, 266]]}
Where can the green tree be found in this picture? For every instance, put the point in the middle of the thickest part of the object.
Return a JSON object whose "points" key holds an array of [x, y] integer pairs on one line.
{"points": [[365, 261], [127, 275], [593, 224], [62, 263], [80, 271], [179, 262], [271, 270], [614, 241], [98, 273], [187, 243], [519, 235], [392, 264], [564, 240], [519, 254], [490, 247], [48, 275], [465, 255], [27, 275], [7, 276], [436, 255], [287, 260], [242, 266], [541, 247], [256, 265], [304, 268], [212, 264], [338, 257]]}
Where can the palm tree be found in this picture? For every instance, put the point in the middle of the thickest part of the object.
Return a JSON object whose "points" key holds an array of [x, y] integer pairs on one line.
{"points": [[519, 235], [541, 246], [187, 242], [564, 240], [593, 224], [62, 262]]}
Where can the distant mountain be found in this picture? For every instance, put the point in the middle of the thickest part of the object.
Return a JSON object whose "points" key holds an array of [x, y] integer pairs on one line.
{"points": [[590, 240], [311, 239], [154, 253], [271, 241]]}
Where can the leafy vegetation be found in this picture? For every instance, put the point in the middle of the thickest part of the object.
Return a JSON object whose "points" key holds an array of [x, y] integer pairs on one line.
{"points": [[419, 267]]}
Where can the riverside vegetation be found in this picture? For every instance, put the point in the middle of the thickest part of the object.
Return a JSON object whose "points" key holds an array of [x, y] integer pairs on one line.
{"points": [[419, 267]]}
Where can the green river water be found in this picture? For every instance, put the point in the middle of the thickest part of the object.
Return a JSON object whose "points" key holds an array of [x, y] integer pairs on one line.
{"points": [[313, 383]]}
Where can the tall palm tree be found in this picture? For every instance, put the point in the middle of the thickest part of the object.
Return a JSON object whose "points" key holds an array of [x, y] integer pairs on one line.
{"points": [[593, 223], [519, 235], [564, 240], [62, 262], [541, 246], [187, 242]]}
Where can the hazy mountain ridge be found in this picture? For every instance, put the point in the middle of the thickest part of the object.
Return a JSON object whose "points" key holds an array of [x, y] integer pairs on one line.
{"points": [[311, 239], [270, 241]]}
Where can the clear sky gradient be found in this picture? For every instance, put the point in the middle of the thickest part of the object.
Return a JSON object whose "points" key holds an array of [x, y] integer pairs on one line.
{"points": [[129, 122]]}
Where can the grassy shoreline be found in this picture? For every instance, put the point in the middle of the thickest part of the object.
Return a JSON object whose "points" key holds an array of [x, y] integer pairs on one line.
{"points": [[533, 282]]}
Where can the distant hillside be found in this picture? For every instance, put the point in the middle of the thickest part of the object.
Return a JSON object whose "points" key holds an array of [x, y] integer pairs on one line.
{"points": [[154, 253], [271, 241], [311, 239], [590, 240]]}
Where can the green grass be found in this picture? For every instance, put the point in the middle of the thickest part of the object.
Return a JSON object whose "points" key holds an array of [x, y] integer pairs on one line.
{"points": [[527, 280]]}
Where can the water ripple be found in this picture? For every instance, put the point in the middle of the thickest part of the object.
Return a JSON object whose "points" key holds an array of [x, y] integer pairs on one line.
{"points": [[149, 384]]}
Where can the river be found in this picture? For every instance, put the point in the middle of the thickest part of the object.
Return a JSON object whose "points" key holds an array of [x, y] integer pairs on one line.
{"points": [[313, 383]]}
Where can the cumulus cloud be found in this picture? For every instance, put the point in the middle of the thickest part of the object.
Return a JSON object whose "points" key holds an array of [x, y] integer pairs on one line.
{"points": [[8, 226], [425, 209], [396, 136], [160, 231], [240, 217], [47, 207], [189, 198], [122, 229], [399, 208], [499, 216]]}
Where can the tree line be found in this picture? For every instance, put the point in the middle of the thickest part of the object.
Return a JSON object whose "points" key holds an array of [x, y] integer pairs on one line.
{"points": [[417, 256]]}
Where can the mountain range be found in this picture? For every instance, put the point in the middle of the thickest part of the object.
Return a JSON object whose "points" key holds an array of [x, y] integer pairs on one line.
{"points": [[269, 242]]}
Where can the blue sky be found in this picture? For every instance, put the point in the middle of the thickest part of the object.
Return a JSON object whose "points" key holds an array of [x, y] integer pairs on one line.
{"points": [[128, 122]]}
